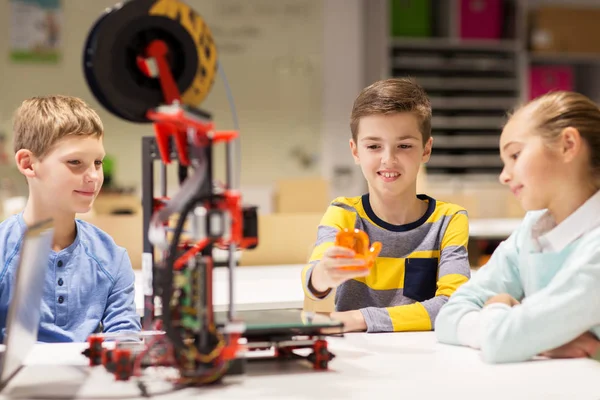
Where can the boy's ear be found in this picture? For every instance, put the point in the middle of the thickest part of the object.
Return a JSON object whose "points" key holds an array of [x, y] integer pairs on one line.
{"points": [[25, 160], [354, 151], [427, 150]]}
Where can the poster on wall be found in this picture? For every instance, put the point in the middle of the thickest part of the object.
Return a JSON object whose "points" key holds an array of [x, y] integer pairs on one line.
{"points": [[35, 30]]}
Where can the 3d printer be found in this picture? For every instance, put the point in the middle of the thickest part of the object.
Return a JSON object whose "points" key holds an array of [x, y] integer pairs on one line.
{"points": [[154, 61]]}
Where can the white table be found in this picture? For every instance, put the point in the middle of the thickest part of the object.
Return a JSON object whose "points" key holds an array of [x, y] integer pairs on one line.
{"points": [[492, 228], [256, 288], [367, 366]]}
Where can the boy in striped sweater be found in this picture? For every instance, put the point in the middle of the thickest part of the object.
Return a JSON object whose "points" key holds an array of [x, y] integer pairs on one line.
{"points": [[424, 241]]}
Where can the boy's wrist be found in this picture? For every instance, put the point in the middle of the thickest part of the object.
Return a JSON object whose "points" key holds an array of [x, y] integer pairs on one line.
{"points": [[353, 320], [360, 324], [315, 282]]}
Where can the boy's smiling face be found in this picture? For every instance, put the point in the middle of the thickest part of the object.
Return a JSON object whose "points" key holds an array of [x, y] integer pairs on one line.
{"points": [[69, 177], [389, 149]]}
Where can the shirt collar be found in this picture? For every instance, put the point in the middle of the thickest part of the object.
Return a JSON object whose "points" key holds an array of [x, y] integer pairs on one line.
{"points": [[552, 237], [64, 252]]}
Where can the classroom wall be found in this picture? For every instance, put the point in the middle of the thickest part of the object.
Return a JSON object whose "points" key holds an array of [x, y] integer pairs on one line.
{"points": [[344, 77], [294, 71]]}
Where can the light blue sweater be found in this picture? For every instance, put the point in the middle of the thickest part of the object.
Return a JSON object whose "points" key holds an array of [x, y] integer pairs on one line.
{"points": [[559, 293], [90, 283]]}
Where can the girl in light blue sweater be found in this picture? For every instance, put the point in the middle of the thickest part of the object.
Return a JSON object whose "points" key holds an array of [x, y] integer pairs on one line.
{"points": [[540, 292]]}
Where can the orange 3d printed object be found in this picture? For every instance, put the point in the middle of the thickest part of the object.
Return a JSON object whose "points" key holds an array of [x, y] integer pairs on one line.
{"points": [[358, 241]]}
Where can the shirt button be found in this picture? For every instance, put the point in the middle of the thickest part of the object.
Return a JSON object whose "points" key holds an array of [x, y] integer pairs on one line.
{"points": [[61, 300], [60, 263], [60, 282]]}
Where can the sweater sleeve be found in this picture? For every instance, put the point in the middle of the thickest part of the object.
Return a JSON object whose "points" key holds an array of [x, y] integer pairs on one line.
{"points": [[557, 314], [120, 314], [567, 307], [499, 275], [337, 217]]}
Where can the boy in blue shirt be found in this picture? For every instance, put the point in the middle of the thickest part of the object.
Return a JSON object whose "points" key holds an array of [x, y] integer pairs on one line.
{"points": [[90, 280]]}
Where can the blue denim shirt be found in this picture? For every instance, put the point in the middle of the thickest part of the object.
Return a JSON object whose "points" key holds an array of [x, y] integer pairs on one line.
{"points": [[89, 283]]}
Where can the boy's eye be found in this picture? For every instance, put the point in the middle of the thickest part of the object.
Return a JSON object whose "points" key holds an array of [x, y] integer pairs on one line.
{"points": [[373, 146], [405, 146], [74, 162], [514, 156], [98, 162]]}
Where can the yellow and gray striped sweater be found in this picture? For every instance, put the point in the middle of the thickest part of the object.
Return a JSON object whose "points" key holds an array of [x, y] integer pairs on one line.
{"points": [[420, 265]]}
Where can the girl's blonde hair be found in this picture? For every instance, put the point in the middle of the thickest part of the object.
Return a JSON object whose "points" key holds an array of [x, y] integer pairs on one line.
{"points": [[555, 111]]}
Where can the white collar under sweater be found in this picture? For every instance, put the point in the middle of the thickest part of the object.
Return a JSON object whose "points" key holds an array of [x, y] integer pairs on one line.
{"points": [[549, 237]]}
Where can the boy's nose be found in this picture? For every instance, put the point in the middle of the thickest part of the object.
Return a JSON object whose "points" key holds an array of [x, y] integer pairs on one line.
{"points": [[93, 176], [388, 158]]}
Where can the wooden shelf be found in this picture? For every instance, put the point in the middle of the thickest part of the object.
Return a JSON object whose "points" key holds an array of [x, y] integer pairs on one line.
{"points": [[450, 161], [457, 122], [470, 103], [465, 141], [471, 84], [564, 58], [455, 44], [436, 63]]}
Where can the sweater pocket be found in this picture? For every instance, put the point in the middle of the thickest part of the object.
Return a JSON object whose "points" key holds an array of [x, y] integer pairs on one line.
{"points": [[420, 278]]}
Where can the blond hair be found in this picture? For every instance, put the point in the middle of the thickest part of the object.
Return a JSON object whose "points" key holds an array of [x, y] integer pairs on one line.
{"points": [[40, 122], [555, 111], [391, 96]]}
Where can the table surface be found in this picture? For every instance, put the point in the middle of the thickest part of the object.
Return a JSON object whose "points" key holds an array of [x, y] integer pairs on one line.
{"points": [[401, 365], [256, 288], [492, 228]]}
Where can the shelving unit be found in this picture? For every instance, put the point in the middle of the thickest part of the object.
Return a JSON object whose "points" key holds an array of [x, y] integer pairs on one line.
{"points": [[474, 82], [471, 83]]}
